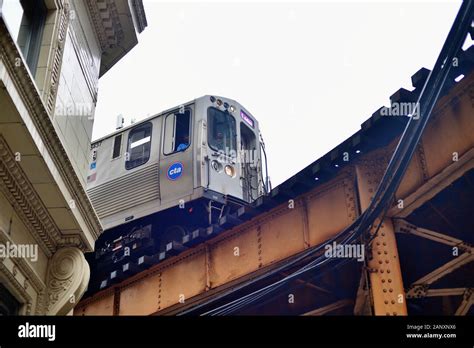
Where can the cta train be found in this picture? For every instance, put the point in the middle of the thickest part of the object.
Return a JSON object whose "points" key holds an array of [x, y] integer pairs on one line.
{"points": [[157, 180]]}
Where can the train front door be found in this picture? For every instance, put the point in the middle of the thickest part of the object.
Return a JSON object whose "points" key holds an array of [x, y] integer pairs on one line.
{"points": [[176, 164]]}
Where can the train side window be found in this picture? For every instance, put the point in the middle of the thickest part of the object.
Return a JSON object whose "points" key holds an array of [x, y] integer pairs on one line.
{"points": [[117, 146], [177, 135], [139, 146]]}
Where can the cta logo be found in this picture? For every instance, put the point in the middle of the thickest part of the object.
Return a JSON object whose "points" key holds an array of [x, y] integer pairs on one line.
{"points": [[175, 171]]}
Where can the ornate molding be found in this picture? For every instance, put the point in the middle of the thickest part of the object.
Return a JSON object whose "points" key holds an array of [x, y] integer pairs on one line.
{"points": [[26, 88], [106, 23], [67, 279], [19, 289], [28, 205], [41, 303], [22, 196], [54, 73], [28, 272]]}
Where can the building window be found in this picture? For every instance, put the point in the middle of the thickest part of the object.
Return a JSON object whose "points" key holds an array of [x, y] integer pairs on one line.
{"points": [[117, 146], [177, 132], [139, 146], [8, 304], [25, 20], [222, 131]]}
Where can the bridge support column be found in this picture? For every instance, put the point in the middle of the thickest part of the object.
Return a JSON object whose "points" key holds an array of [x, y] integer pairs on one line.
{"points": [[386, 284]]}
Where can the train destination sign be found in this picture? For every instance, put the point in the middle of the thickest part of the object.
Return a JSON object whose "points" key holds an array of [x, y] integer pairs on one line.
{"points": [[247, 119]]}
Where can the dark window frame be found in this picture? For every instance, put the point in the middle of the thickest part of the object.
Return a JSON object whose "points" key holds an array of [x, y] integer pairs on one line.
{"points": [[132, 131], [114, 147], [35, 12], [210, 130], [9, 305], [244, 128], [165, 138]]}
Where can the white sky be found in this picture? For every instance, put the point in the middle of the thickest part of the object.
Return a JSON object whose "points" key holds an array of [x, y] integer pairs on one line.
{"points": [[310, 72]]}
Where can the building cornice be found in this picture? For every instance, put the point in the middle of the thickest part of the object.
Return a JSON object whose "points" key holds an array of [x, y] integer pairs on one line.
{"points": [[19, 193], [106, 22], [116, 24], [28, 205], [25, 86]]}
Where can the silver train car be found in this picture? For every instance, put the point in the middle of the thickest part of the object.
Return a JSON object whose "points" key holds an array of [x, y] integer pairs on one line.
{"points": [[178, 170]]}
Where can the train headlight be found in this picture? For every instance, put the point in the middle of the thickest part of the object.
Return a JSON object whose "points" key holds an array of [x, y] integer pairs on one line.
{"points": [[229, 170], [232, 108], [219, 102], [216, 166]]}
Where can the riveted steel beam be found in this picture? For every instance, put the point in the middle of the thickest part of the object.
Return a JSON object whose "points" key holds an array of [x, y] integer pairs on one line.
{"points": [[467, 302], [386, 284], [402, 226], [438, 273]]}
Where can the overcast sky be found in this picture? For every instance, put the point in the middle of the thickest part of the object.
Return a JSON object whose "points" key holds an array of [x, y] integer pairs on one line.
{"points": [[310, 72]]}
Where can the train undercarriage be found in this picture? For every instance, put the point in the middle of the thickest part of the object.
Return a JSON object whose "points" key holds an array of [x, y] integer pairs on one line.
{"points": [[141, 243]]}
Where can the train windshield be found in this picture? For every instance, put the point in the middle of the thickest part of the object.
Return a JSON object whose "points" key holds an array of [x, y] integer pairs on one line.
{"points": [[222, 131]]}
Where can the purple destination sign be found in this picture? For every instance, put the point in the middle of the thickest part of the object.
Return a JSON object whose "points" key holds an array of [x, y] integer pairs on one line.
{"points": [[247, 118]]}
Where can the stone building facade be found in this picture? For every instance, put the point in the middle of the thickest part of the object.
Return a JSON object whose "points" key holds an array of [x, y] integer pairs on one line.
{"points": [[52, 54]]}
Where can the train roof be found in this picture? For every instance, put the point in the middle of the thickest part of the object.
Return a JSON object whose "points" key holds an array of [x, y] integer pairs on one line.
{"points": [[118, 131]]}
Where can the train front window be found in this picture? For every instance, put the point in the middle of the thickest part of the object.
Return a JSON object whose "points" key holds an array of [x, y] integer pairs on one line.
{"points": [[222, 131], [138, 147]]}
